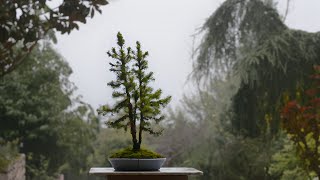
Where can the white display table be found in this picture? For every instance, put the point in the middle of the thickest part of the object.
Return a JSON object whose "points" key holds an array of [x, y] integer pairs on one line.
{"points": [[166, 173]]}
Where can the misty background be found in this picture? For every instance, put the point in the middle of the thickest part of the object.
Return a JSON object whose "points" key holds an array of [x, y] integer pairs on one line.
{"points": [[246, 106], [168, 29]]}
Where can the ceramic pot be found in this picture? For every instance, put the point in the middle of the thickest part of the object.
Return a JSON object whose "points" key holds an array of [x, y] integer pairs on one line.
{"points": [[126, 164]]}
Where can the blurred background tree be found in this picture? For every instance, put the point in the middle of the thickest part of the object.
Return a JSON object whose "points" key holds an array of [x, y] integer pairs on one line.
{"points": [[38, 110]]}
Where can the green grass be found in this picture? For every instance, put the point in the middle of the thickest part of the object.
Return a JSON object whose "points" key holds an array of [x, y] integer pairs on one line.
{"points": [[141, 154]]}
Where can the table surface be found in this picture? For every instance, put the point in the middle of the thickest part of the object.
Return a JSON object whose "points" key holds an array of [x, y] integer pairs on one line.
{"points": [[162, 171]]}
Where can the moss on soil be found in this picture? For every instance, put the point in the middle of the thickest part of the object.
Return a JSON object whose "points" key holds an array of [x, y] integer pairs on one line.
{"points": [[3, 164], [8, 154], [141, 154]]}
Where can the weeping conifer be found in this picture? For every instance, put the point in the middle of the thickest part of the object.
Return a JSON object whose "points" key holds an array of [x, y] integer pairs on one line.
{"points": [[247, 42]]}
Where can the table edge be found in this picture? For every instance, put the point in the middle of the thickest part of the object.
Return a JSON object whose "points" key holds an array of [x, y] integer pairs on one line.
{"points": [[115, 173]]}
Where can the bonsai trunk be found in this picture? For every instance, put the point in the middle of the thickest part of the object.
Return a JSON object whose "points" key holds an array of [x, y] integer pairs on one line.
{"points": [[135, 143], [136, 146], [140, 130]]}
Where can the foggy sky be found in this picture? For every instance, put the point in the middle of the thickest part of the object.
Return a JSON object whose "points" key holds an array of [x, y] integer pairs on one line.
{"points": [[164, 28]]}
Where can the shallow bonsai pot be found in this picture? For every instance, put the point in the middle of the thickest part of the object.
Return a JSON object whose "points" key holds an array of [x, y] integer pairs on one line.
{"points": [[126, 164]]}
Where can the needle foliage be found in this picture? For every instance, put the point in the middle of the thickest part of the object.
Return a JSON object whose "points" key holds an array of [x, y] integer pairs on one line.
{"points": [[137, 105]]}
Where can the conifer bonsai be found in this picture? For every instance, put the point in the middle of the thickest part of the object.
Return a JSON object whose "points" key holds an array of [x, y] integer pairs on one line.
{"points": [[138, 106]]}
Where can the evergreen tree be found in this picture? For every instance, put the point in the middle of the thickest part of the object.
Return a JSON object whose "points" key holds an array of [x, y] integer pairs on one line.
{"points": [[53, 130], [246, 43], [137, 103]]}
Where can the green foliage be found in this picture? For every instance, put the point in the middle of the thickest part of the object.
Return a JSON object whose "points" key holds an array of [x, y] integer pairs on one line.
{"points": [[247, 43], [140, 154], [301, 120], [268, 73], [231, 31], [27, 22], [196, 137], [107, 141], [286, 165], [76, 136], [55, 131], [137, 103], [39, 168]]}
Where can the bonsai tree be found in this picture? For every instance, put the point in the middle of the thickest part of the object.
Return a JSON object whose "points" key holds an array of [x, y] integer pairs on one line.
{"points": [[137, 105]]}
